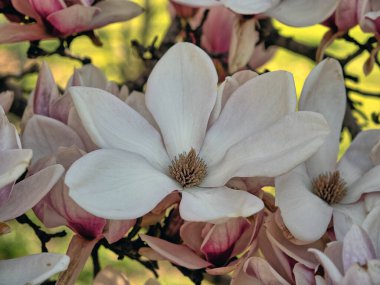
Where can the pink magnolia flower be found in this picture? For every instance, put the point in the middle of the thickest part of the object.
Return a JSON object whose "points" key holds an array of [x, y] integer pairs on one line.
{"points": [[17, 198], [351, 261], [32, 269], [210, 246], [290, 12], [253, 135], [319, 189], [275, 259], [61, 18]]}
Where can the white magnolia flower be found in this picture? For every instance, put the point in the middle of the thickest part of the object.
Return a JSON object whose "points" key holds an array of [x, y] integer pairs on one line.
{"points": [[318, 189], [32, 269], [139, 165], [297, 13]]}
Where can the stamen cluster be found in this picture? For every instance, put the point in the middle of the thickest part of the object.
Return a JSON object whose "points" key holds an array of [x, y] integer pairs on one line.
{"points": [[330, 187]]}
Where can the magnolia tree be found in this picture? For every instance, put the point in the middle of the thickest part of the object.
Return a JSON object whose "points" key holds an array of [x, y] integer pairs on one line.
{"points": [[175, 165]]}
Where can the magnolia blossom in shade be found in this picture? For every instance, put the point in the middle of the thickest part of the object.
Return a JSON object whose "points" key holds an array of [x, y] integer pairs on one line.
{"points": [[32, 269], [60, 18], [209, 246], [256, 134], [351, 261], [275, 259], [16, 199], [290, 12], [319, 188]]}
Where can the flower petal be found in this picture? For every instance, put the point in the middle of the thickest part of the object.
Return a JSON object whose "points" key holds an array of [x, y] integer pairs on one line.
{"points": [[303, 275], [115, 184], [324, 92], [372, 225], [44, 135], [369, 182], [253, 107], [249, 7], [30, 191], [32, 269], [17, 160], [356, 274], [181, 93], [357, 248], [217, 204], [178, 254], [344, 216], [13, 33], [46, 8], [9, 138], [191, 234], [221, 239], [6, 100], [304, 214], [199, 3], [356, 161], [112, 11], [74, 19], [272, 151], [113, 124], [329, 267], [298, 12]]}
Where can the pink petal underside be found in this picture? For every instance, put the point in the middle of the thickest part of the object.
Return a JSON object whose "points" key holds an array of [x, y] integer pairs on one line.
{"points": [[191, 234], [178, 254], [29, 191], [74, 19], [303, 275], [333, 251], [223, 270], [113, 11], [5, 193], [220, 240], [25, 7], [45, 8], [346, 15], [45, 91], [6, 100], [116, 229], [60, 107], [9, 138], [13, 33]]}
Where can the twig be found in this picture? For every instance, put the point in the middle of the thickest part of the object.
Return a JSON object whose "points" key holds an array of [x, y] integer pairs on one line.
{"points": [[42, 236]]}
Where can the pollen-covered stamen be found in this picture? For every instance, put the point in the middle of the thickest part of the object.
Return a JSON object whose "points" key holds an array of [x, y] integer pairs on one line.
{"points": [[330, 187], [188, 169]]}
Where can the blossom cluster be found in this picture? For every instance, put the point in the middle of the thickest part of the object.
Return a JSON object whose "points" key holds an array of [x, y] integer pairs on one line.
{"points": [[196, 151]]}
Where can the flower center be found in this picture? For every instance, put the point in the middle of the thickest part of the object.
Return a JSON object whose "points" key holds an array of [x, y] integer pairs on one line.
{"points": [[330, 187], [188, 169]]}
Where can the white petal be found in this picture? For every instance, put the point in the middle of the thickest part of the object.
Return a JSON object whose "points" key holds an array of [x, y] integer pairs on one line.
{"points": [[324, 92], [137, 101], [253, 107], [32, 269], [217, 204], [301, 13], [249, 7], [44, 135], [28, 192], [372, 225], [180, 94], [304, 214], [273, 151], [14, 163], [356, 161], [344, 216], [328, 266], [115, 184], [369, 182], [111, 123], [199, 3]]}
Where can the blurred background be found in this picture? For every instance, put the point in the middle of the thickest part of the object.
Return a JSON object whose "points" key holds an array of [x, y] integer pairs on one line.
{"points": [[120, 62]]}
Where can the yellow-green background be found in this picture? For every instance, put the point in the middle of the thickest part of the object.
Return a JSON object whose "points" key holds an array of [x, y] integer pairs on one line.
{"points": [[117, 60]]}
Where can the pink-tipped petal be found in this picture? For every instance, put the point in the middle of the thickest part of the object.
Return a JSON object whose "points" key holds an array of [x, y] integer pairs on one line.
{"points": [[178, 254], [29, 191]]}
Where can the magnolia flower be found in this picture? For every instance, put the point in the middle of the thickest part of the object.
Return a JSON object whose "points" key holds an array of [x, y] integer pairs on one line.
{"points": [[32, 269], [61, 18], [276, 260], [206, 245], [16, 199], [319, 188], [138, 165], [290, 12], [351, 261]]}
